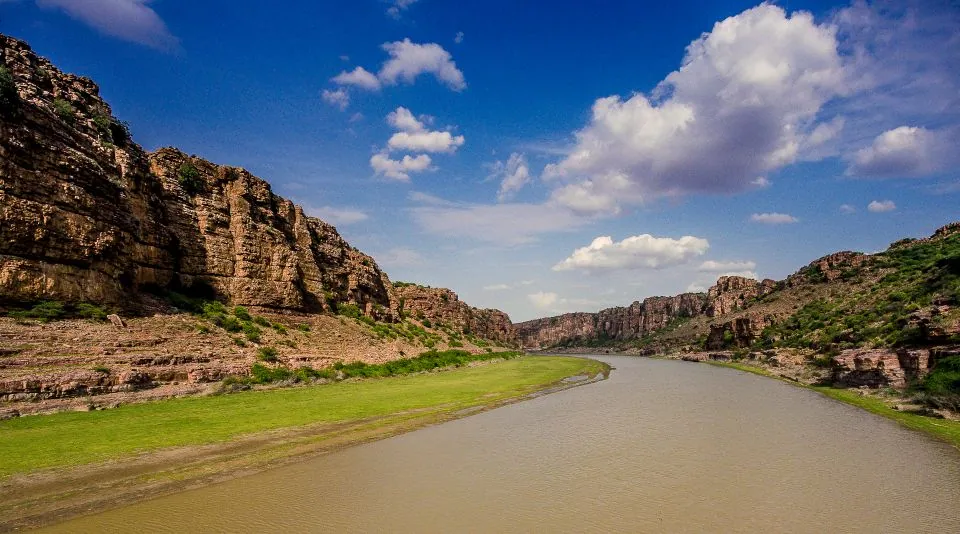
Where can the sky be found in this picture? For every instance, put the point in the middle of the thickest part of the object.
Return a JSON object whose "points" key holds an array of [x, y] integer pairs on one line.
{"points": [[547, 158]]}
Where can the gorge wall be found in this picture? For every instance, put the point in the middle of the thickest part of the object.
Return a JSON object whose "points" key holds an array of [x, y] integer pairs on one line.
{"points": [[87, 215], [441, 306], [640, 318]]}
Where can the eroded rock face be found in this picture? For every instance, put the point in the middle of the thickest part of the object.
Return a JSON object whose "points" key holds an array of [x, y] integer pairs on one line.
{"points": [[442, 306], [885, 368], [621, 323], [732, 293], [87, 215], [828, 268], [740, 332]]}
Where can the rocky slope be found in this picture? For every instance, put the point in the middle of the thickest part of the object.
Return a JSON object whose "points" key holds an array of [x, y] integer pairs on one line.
{"points": [[443, 308], [87, 216]]}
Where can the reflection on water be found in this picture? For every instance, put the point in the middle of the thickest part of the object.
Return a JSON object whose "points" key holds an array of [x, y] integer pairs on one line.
{"points": [[662, 446]]}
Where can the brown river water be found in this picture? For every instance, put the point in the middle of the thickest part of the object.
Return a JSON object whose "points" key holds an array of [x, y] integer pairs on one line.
{"points": [[661, 446]]}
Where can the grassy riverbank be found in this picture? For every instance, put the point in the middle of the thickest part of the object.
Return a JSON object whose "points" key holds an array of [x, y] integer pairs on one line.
{"points": [[70, 439], [942, 429]]}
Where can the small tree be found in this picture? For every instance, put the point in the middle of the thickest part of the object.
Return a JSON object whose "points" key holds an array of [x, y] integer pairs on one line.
{"points": [[189, 178]]}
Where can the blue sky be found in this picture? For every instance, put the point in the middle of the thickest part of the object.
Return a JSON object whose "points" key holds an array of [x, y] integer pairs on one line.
{"points": [[545, 160]]}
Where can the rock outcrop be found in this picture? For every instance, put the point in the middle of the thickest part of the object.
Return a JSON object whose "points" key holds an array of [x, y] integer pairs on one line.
{"points": [[442, 307], [732, 293], [619, 324]]}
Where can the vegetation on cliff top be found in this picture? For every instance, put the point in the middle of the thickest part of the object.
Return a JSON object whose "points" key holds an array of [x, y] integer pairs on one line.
{"points": [[74, 438]]}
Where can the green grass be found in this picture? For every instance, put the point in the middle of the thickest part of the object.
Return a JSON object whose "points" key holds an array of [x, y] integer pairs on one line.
{"points": [[75, 438], [942, 429]]}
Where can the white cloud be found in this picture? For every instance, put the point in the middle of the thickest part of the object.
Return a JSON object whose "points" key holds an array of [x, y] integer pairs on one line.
{"points": [[399, 169], [501, 224], [336, 216], [409, 60], [130, 20], [761, 182], [398, 6], [695, 287], [426, 141], [359, 77], [642, 251], [415, 137], [741, 105], [712, 266], [356, 117], [903, 151], [339, 98], [402, 119], [458, 38], [847, 208], [543, 299], [400, 257], [428, 199], [881, 206], [513, 175], [773, 218]]}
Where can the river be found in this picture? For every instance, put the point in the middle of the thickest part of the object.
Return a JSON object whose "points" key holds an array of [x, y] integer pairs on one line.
{"points": [[661, 446]]}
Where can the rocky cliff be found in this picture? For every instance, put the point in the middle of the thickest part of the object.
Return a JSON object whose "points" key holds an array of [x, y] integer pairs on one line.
{"points": [[443, 308], [617, 324], [86, 215]]}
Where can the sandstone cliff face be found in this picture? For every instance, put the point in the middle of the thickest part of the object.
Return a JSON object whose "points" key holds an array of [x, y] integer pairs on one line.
{"points": [[619, 324], [87, 215], [443, 307], [732, 293]]}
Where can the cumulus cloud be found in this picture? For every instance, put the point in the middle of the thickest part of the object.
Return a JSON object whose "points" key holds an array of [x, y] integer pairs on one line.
{"points": [[339, 98], [711, 266], [761, 182], [773, 218], [336, 216], [636, 252], [513, 175], [409, 60], [847, 209], [403, 119], [130, 20], [543, 299], [426, 141], [743, 102], [903, 151], [358, 77], [881, 206], [400, 169]]}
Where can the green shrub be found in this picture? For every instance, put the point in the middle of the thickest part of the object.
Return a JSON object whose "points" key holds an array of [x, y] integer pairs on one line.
{"points": [[101, 369], [267, 354], [9, 97], [89, 311], [261, 374], [64, 110], [262, 321], [426, 323], [189, 178], [232, 324], [44, 312], [303, 327], [213, 308], [239, 341], [456, 344], [119, 132], [241, 313], [350, 310], [203, 329], [279, 328], [251, 332]]}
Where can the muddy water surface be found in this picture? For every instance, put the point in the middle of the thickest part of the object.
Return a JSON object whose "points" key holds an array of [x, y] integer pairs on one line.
{"points": [[662, 446]]}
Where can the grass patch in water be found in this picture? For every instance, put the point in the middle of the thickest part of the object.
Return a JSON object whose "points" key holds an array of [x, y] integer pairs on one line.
{"points": [[76, 438]]}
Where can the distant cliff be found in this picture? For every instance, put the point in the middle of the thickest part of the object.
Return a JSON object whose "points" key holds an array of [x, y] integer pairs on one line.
{"points": [[443, 307]]}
